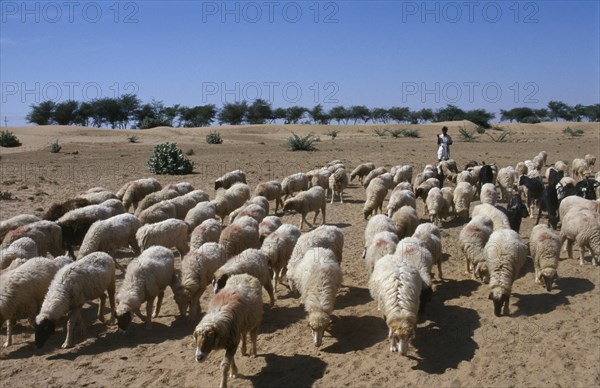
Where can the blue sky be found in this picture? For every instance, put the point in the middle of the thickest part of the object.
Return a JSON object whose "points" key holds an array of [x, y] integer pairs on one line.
{"points": [[480, 54]]}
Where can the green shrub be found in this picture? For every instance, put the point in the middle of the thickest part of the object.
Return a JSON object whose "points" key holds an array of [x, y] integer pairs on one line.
{"points": [[333, 134], [9, 139], [297, 143], [133, 139], [501, 138], [396, 133], [214, 137], [465, 135], [411, 133], [573, 132], [190, 152], [169, 159], [55, 147], [480, 130], [380, 132]]}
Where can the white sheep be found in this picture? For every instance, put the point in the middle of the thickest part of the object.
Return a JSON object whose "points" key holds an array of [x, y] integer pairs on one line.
{"points": [[377, 223], [437, 206], [46, 234], [376, 193], [271, 190], [325, 236], [430, 237], [97, 197], [267, 226], [198, 214], [575, 202], [464, 176], [361, 171], [154, 198], [111, 234], [253, 210], [488, 194], [403, 174], [463, 195], [181, 187], [582, 226], [252, 262], [538, 161], [423, 190], [396, 288], [506, 180], [230, 178], [321, 178], [137, 190], [412, 251], [448, 194], [294, 183], [590, 160], [472, 239], [317, 277], [158, 212], [560, 166], [242, 234], [544, 245], [23, 248], [579, 168], [521, 169], [208, 231], [505, 255], [338, 181], [278, 247], [184, 203], [383, 243], [228, 200], [499, 219], [23, 290], [197, 271], [168, 233], [373, 174], [232, 313], [404, 186], [406, 221], [72, 286], [311, 200], [399, 198], [146, 278], [16, 221]]}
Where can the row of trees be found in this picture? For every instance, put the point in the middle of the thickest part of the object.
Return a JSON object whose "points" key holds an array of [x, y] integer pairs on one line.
{"points": [[128, 111]]}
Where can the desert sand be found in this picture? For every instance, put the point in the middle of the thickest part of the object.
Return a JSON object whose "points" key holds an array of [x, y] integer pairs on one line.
{"points": [[549, 339]]}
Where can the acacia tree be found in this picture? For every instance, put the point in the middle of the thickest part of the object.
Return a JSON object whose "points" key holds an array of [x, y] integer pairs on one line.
{"points": [[339, 113], [399, 114], [65, 113], [380, 115], [259, 112], [197, 116], [233, 113], [41, 114], [294, 114]]}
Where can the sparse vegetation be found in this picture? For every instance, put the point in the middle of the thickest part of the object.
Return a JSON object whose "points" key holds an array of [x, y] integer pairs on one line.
{"points": [[214, 137], [411, 133], [7, 196], [573, 132], [333, 134], [9, 139], [396, 133], [502, 138], [480, 130], [55, 147], [466, 135], [190, 152], [169, 159], [380, 132], [305, 143], [133, 139]]}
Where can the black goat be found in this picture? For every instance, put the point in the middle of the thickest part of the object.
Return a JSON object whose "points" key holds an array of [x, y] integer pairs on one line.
{"points": [[535, 188], [549, 200], [486, 175], [515, 212], [586, 188]]}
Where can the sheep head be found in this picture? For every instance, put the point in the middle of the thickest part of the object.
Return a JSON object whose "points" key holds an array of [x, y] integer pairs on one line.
{"points": [[123, 320], [500, 300], [401, 332], [547, 277], [292, 204], [206, 339], [43, 331], [219, 283], [218, 184], [318, 321]]}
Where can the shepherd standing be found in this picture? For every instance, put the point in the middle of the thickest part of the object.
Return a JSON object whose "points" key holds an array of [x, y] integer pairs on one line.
{"points": [[444, 141]]}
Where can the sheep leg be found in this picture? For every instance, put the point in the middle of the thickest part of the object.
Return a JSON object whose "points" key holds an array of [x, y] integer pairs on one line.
{"points": [[439, 266], [9, 327], [269, 288], [111, 301], [101, 306], [506, 308], [149, 308], [159, 303], [323, 213], [139, 315], [305, 220], [73, 318], [134, 246], [195, 307], [570, 249], [253, 336], [315, 217], [244, 350]]}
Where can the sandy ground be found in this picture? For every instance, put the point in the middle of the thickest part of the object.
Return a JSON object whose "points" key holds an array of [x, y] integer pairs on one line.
{"points": [[550, 339]]}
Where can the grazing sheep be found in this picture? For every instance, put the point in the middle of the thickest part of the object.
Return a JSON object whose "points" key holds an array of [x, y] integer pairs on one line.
{"points": [[423, 190], [561, 166], [406, 221], [388, 179], [271, 191], [410, 250], [404, 186], [251, 210], [242, 234], [184, 203], [473, 238], [590, 160], [311, 200], [158, 212], [544, 245], [208, 231], [58, 210], [506, 181], [294, 183], [47, 235], [231, 199], [252, 262], [111, 234], [146, 278], [521, 169], [396, 288], [488, 194], [582, 226], [121, 192], [499, 219], [321, 178], [430, 236], [463, 195], [464, 176], [361, 171], [15, 222], [318, 277], [449, 169], [278, 247], [436, 205], [376, 193], [198, 214], [137, 190], [168, 233], [97, 197], [338, 181], [383, 243], [538, 161], [72, 286], [448, 194], [267, 226], [23, 290], [230, 178], [232, 313], [399, 198], [325, 236], [579, 168], [23, 248], [181, 187], [373, 174], [403, 174], [505, 255], [575, 202], [377, 223], [197, 270], [154, 198]]}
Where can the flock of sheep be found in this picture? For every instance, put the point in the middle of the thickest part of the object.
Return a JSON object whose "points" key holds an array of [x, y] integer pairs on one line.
{"points": [[246, 249]]}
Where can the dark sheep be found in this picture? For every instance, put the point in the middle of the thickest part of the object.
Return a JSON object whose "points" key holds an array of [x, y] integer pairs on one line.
{"points": [[549, 199], [515, 212], [58, 210]]}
